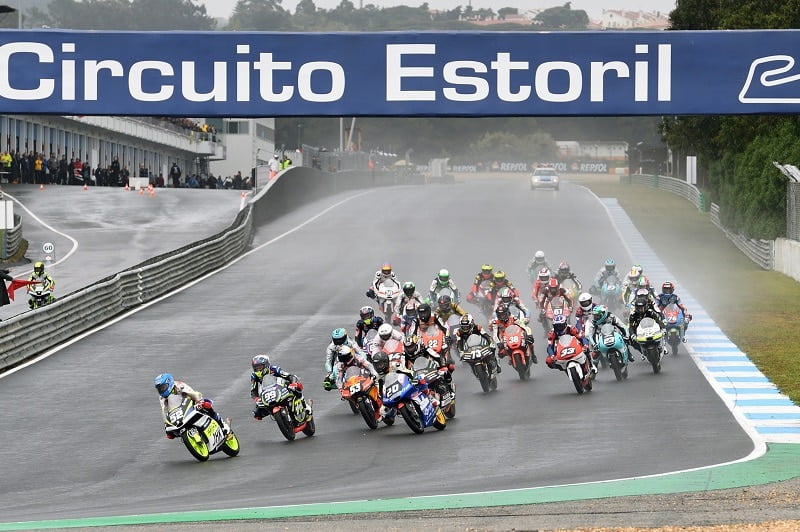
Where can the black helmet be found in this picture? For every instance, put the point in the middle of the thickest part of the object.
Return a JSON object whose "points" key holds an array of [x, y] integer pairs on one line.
{"points": [[410, 344], [424, 312], [444, 301], [381, 362], [345, 354], [502, 313], [466, 323], [409, 288]]}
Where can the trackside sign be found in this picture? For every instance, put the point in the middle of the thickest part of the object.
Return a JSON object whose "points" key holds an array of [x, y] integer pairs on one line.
{"points": [[433, 74]]}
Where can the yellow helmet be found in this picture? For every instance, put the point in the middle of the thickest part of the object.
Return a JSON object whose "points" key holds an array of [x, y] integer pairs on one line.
{"points": [[38, 268]]}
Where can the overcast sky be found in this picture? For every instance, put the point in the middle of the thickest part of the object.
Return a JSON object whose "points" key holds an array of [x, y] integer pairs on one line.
{"points": [[224, 8]]}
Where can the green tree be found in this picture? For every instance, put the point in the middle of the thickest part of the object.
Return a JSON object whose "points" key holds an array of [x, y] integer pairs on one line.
{"points": [[259, 15], [562, 18]]}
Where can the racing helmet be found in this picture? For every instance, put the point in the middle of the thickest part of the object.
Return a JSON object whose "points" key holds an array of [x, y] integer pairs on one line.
{"points": [[410, 344], [345, 354], [506, 295], [381, 362], [424, 312], [385, 331], [585, 301], [502, 313], [500, 277], [386, 268], [444, 302], [642, 295], [563, 268], [668, 288], [639, 269], [443, 276], [600, 313], [633, 275], [610, 265], [559, 324], [538, 257], [164, 383], [544, 275], [552, 287], [409, 288], [339, 336], [367, 313], [38, 268], [466, 324], [260, 363], [486, 271]]}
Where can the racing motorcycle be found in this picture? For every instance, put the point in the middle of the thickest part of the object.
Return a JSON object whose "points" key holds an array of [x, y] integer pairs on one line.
{"points": [[40, 295], [571, 357], [611, 292], [200, 433], [445, 291], [571, 288], [285, 407], [483, 298], [361, 390], [650, 337], [388, 297], [612, 350], [552, 308], [479, 354], [413, 402], [676, 322], [438, 383], [518, 350]]}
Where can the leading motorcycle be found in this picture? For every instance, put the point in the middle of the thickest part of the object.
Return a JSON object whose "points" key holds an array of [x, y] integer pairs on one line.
{"points": [[200, 433], [388, 297], [650, 337]]}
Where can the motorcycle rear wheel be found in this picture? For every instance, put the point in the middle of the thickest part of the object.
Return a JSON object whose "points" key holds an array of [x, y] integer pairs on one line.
{"points": [[483, 378], [231, 445], [285, 424], [654, 358], [310, 427], [198, 449], [451, 410], [674, 342], [412, 417], [524, 371], [367, 409]]}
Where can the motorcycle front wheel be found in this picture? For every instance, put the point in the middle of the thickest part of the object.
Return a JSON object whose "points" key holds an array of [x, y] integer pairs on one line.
{"points": [[576, 380], [231, 445], [367, 409], [285, 424], [196, 443], [615, 359], [483, 378], [654, 357], [310, 427], [412, 417]]}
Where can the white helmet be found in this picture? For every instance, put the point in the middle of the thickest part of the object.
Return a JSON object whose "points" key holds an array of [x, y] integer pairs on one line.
{"points": [[585, 300], [385, 331], [538, 256]]}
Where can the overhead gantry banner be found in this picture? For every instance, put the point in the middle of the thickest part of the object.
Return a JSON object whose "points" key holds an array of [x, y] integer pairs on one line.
{"points": [[391, 74]]}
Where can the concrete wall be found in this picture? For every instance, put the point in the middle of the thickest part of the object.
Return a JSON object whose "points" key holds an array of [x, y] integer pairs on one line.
{"points": [[787, 257]]}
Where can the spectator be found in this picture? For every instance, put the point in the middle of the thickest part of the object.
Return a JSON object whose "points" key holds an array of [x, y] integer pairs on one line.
{"points": [[114, 171], [228, 183], [285, 162], [63, 171], [4, 276], [5, 166], [124, 176], [38, 169], [175, 175], [52, 169], [237, 181], [77, 172], [143, 172]]}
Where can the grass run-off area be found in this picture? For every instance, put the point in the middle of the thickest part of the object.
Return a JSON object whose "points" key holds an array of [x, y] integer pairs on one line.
{"points": [[757, 309]]}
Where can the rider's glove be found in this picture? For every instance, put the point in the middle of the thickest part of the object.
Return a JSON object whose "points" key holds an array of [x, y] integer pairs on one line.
{"points": [[296, 386], [328, 384], [688, 317], [371, 293], [549, 361], [170, 435], [205, 404], [257, 415]]}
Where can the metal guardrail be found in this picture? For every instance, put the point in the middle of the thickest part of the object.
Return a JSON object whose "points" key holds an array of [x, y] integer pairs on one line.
{"points": [[31, 333], [12, 238], [676, 186], [762, 252]]}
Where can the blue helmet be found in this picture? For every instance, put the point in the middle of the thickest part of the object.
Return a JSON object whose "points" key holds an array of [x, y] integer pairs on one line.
{"points": [[260, 364], [164, 384], [339, 336], [610, 265], [560, 324]]}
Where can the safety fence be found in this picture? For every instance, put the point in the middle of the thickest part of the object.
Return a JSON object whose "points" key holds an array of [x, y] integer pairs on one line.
{"points": [[28, 334], [670, 184], [762, 252], [11, 239]]}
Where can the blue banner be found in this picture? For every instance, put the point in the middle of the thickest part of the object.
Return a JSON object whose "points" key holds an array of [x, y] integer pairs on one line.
{"points": [[399, 74]]}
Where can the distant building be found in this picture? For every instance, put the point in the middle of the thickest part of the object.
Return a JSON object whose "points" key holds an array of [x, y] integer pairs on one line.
{"points": [[592, 150], [614, 19], [249, 142]]}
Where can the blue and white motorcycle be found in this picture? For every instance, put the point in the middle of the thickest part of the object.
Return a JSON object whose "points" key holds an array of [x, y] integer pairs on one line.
{"points": [[412, 401]]}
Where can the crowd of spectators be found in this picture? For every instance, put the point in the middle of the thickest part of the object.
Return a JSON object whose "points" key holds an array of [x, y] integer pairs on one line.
{"points": [[203, 131]]}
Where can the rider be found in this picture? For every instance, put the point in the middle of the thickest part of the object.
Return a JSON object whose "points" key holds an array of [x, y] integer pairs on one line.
{"points": [[608, 269], [466, 327], [440, 282], [553, 290], [446, 308], [583, 312], [564, 272], [166, 385], [668, 296], [600, 315], [39, 276], [509, 298], [385, 332], [426, 319], [381, 276], [560, 328], [643, 308], [410, 295], [262, 367], [500, 281], [339, 340], [344, 360], [536, 264], [540, 284], [503, 319], [409, 321], [367, 322], [484, 275]]}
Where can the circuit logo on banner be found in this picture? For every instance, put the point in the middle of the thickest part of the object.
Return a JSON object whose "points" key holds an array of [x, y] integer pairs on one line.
{"points": [[435, 74]]}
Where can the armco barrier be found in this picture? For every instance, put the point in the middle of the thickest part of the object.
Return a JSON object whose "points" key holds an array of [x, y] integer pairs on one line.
{"points": [[762, 252], [31, 333], [670, 184]]}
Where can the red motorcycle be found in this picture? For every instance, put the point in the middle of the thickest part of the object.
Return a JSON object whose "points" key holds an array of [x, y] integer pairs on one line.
{"points": [[518, 350], [483, 298], [361, 391], [552, 308], [571, 357]]}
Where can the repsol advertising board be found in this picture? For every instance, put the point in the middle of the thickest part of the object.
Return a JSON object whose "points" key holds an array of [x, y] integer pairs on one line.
{"points": [[432, 74]]}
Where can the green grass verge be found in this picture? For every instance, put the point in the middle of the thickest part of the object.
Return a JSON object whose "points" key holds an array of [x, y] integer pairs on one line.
{"points": [[756, 309]]}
